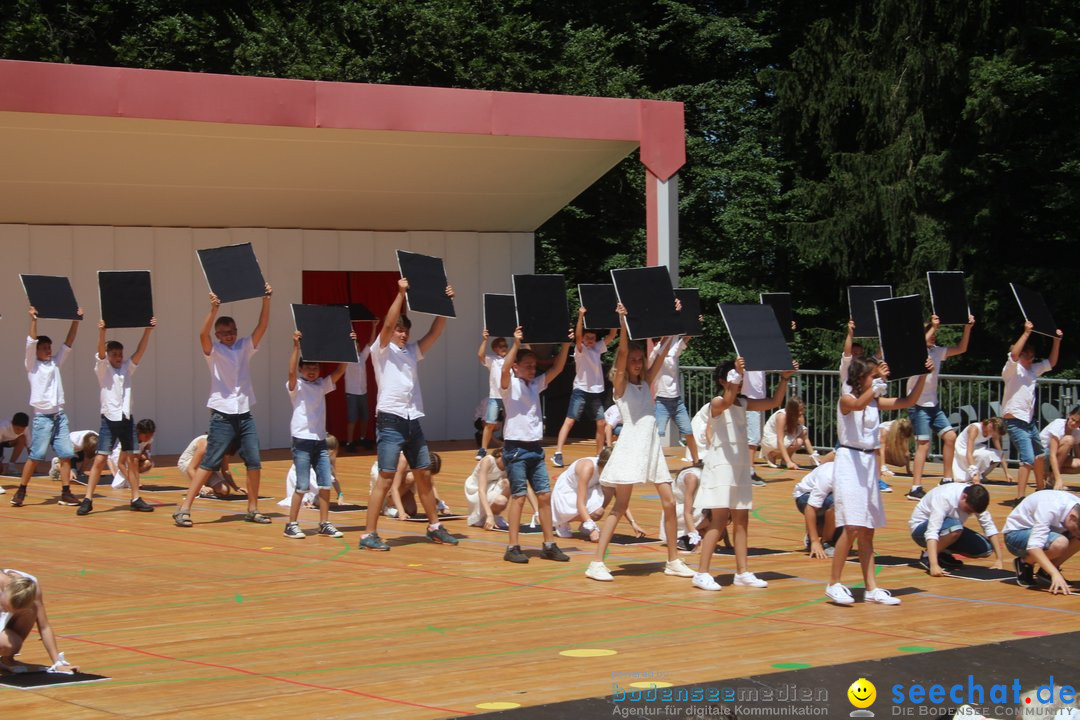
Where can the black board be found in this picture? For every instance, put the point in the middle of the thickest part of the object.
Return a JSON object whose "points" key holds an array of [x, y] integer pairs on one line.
{"points": [[32, 680], [1035, 309], [541, 305], [599, 301], [325, 333], [125, 298], [427, 284], [902, 337], [649, 298], [500, 315], [861, 300], [757, 336], [948, 297], [51, 296], [232, 272], [690, 301]]}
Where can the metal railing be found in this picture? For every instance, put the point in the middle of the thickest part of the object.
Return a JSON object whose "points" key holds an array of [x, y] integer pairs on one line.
{"points": [[966, 398]]}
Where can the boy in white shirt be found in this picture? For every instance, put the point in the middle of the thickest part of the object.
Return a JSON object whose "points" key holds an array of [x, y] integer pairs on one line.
{"points": [[522, 453], [669, 397], [1061, 440], [493, 410], [308, 430], [117, 426], [1020, 374], [356, 401], [927, 415], [397, 417], [14, 435], [814, 499], [588, 391], [1044, 530], [50, 425], [230, 403], [937, 523]]}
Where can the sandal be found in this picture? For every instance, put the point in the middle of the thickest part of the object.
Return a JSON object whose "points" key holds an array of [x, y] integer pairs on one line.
{"points": [[182, 518], [253, 516]]}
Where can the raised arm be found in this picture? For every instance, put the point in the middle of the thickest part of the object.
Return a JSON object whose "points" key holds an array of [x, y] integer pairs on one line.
{"points": [[70, 339], [656, 363], [101, 340], [294, 359], [1018, 346], [394, 313], [436, 327], [208, 325], [618, 371], [481, 352], [912, 397], [962, 347], [558, 365], [511, 358], [931, 333], [1055, 349], [849, 339], [140, 349], [264, 317], [778, 395], [579, 329]]}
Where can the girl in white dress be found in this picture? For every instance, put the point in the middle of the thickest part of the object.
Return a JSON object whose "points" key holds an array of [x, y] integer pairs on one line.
{"points": [[579, 496], [858, 504], [973, 457], [488, 492], [726, 485], [22, 606], [637, 457], [784, 433]]}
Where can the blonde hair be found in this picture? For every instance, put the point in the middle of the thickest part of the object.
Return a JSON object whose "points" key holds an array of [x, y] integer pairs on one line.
{"points": [[89, 444], [897, 442], [21, 592], [331, 442], [996, 425]]}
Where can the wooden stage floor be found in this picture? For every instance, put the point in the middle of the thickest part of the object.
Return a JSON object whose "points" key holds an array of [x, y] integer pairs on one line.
{"points": [[231, 619]]}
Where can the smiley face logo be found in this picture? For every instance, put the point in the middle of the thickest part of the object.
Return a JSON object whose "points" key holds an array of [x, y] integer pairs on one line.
{"points": [[862, 693]]}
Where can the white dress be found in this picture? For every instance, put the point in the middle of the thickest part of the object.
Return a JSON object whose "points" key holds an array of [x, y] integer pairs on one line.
{"points": [[637, 457], [564, 494], [725, 479], [472, 488], [857, 499], [770, 433], [985, 457], [678, 489]]}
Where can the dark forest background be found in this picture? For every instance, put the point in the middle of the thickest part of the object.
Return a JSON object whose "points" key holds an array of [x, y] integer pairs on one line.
{"points": [[829, 143]]}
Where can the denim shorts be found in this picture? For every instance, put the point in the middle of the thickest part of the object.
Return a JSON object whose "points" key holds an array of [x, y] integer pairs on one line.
{"points": [[396, 435], [50, 430], [525, 466], [675, 409], [113, 431], [356, 408], [494, 411], [753, 427], [969, 543], [803, 500], [925, 419], [1017, 541], [581, 400], [1025, 438], [224, 428], [308, 455]]}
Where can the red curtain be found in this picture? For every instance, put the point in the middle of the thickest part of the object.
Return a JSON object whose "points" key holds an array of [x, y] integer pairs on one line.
{"points": [[374, 290]]}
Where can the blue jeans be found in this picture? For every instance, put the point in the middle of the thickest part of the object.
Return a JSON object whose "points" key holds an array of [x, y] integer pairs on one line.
{"points": [[753, 427], [1025, 437], [396, 435], [525, 466], [224, 429], [925, 419], [113, 431], [494, 411], [581, 400], [51, 430], [675, 409], [308, 454], [803, 500], [1017, 541], [969, 543]]}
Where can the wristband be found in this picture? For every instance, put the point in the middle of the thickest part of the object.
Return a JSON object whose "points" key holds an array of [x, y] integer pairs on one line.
{"points": [[60, 660], [880, 387], [588, 525], [734, 377], [972, 471]]}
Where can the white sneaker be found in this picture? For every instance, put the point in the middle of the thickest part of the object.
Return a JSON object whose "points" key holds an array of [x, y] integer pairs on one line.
{"points": [[563, 530], [749, 579], [830, 551], [881, 596], [598, 571], [705, 581], [534, 521], [440, 506], [677, 568], [839, 594]]}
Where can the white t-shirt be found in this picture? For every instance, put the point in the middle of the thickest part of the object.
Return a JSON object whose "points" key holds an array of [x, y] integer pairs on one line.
{"points": [[929, 396], [845, 366], [1018, 399], [309, 408], [7, 432], [78, 436], [818, 482], [356, 374], [398, 377], [494, 364], [115, 383], [521, 401], [1041, 512], [942, 502], [46, 386], [753, 385], [230, 377], [1056, 428], [588, 368], [667, 379]]}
